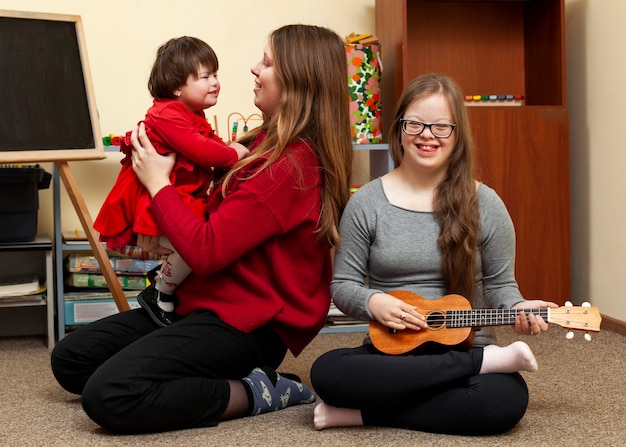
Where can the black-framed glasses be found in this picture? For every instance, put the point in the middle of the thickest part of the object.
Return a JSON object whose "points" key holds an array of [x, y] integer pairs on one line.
{"points": [[439, 130]]}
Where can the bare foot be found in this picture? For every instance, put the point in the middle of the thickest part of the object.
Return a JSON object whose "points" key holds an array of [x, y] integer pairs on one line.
{"points": [[509, 359], [327, 416]]}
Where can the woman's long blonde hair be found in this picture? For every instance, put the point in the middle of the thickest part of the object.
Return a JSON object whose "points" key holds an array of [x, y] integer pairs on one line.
{"points": [[455, 201], [310, 62]]}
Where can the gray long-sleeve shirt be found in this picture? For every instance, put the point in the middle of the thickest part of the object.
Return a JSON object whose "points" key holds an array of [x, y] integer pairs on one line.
{"points": [[385, 248]]}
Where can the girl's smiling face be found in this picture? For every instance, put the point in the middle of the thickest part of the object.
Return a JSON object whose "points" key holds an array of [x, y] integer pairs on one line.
{"points": [[426, 151], [201, 91]]}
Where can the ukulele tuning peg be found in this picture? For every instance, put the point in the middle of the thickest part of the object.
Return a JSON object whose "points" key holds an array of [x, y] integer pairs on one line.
{"points": [[569, 335], [587, 336], [586, 304], [568, 303]]}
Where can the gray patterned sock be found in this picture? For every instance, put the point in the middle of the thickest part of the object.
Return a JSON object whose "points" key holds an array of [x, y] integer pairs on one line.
{"points": [[271, 391]]}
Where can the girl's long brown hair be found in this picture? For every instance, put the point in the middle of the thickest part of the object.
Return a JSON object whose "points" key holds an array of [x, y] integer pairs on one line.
{"points": [[455, 200], [310, 62]]}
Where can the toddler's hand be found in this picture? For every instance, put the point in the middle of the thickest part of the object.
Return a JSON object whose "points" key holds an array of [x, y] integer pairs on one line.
{"points": [[241, 150]]}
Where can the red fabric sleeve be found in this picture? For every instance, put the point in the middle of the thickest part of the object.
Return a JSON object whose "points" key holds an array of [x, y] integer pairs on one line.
{"points": [[190, 135]]}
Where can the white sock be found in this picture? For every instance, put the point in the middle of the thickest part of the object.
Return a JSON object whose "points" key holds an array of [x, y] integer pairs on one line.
{"points": [[167, 306]]}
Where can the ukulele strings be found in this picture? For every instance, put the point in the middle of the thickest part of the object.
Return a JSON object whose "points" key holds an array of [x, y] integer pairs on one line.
{"points": [[479, 317]]}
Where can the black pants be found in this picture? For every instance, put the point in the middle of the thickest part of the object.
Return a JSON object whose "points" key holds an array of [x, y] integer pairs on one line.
{"points": [[439, 393], [135, 377]]}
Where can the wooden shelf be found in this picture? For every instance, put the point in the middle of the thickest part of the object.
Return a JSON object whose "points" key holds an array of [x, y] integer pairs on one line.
{"points": [[29, 316]]}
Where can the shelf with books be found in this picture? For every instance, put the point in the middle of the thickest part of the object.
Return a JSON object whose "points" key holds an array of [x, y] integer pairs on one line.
{"points": [[86, 296], [26, 291]]}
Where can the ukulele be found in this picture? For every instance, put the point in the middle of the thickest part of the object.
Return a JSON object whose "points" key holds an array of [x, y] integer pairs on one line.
{"points": [[451, 321]]}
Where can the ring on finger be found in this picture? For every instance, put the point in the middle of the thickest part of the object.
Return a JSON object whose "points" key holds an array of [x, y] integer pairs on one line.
{"points": [[403, 315]]}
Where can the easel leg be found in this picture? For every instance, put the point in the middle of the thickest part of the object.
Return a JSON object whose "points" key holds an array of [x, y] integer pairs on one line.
{"points": [[98, 250]]}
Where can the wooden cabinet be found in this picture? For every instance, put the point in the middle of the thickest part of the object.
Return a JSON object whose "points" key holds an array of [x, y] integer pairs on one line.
{"points": [[499, 47]]}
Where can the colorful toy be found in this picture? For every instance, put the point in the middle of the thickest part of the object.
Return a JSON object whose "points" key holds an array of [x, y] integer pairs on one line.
{"points": [[235, 124], [494, 100]]}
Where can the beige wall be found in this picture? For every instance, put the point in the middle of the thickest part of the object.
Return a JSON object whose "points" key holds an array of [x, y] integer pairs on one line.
{"points": [[596, 72], [122, 36]]}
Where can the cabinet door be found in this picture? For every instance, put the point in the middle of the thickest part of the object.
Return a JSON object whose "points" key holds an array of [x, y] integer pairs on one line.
{"points": [[522, 152]]}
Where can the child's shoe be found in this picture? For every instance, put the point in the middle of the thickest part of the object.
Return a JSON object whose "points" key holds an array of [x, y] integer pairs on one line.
{"points": [[149, 299]]}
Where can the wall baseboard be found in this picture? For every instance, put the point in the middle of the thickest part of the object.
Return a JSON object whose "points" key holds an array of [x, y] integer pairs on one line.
{"points": [[613, 324]]}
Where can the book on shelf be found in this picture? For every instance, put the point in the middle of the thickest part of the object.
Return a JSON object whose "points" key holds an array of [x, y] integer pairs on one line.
{"points": [[96, 294], [22, 299], [338, 318], [77, 237], [95, 280], [19, 285], [85, 263], [74, 237], [84, 310]]}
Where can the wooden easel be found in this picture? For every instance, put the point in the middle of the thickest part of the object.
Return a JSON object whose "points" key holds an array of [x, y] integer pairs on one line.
{"points": [[87, 222]]}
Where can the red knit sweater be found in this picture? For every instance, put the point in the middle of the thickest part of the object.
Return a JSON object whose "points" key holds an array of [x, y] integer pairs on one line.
{"points": [[257, 259]]}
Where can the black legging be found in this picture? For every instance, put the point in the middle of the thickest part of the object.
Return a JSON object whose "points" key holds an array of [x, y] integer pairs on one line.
{"points": [[441, 393], [135, 377]]}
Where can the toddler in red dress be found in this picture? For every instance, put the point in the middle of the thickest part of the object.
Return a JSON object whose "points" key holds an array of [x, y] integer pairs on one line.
{"points": [[183, 83]]}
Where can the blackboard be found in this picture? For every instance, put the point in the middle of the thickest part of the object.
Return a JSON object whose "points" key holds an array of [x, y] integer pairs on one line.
{"points": [[47, 105]]}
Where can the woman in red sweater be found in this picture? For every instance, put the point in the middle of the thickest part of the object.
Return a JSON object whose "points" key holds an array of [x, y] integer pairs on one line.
{"points": [[261, 263]]}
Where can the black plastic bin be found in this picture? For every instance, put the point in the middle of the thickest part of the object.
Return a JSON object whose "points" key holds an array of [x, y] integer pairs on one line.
{"points": [[19, 201]]}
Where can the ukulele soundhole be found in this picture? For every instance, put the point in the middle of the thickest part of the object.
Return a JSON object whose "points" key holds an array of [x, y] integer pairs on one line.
{"points": [[436, 320]]}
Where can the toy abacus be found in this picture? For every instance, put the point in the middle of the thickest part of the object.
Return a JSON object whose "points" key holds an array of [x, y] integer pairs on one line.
{"points": [[494, 100], [233, 123]]}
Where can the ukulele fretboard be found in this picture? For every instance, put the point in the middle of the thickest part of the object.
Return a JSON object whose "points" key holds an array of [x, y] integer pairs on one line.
{"points": [[480, 317]]}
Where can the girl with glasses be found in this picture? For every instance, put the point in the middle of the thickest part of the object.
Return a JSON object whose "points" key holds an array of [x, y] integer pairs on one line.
{"points": [[430, 229]]}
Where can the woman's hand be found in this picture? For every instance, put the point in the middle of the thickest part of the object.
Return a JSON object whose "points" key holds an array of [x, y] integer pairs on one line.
{"points": [[394, 313], [152, 168], [531, 324]]}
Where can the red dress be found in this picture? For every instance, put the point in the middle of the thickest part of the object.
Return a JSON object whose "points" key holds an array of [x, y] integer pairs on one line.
{"points": [[171, 127]]}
